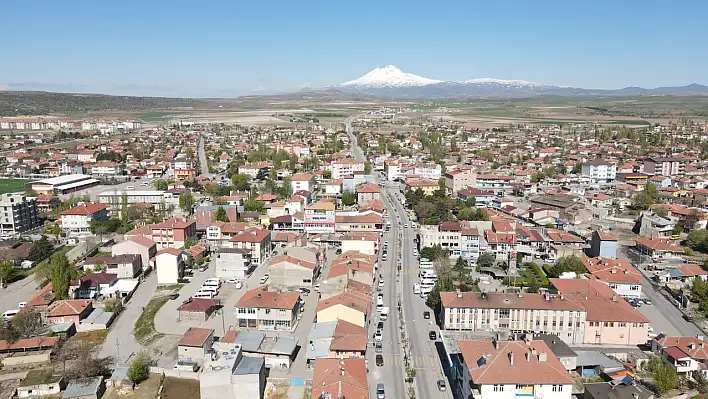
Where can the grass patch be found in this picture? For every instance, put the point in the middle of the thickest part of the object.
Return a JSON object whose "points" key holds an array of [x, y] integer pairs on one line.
{"points": [[171, 287], [93, 337], [144, 329], [12, 185]]}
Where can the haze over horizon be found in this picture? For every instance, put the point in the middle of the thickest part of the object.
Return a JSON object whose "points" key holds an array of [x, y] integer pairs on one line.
{"points": [[226, 49]]}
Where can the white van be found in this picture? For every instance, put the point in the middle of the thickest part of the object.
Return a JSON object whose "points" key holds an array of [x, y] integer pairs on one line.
{"points": [[10, 314], [130, 188], [204, 294], [211, 282], [209, 288], [416, 288]]}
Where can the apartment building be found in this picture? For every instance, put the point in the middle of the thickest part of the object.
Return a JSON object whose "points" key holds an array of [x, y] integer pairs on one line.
{"points": [[233, 263], [367, 192], [77, 220], [320, 218], [599, 171], [155, 198], [346, 166], [106, 169], [257, 241], [495, 369], [267, 310], [497, 183], [303, 182], [18, 213], [432, 171], [171, 233], [292, 271], [618, 274], [459, 179], [665, 166], [427, 186], [358, 222]]}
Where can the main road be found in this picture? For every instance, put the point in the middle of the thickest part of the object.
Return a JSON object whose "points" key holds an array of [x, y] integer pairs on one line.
{"points": [[424, 355], [201, 153]]}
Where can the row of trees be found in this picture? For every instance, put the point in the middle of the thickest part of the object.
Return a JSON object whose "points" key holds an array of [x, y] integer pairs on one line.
{"points": [[437, 208]]}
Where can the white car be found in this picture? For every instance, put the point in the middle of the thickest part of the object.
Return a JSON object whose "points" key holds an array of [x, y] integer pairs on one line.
{"points": [[378, 337], [238, 285], [10, 314], [381, 283], [232, 280], [264, 278], [405, 225], [21, 305]]}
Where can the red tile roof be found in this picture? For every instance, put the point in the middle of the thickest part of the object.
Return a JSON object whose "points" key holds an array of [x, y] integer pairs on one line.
{"points": [[610, 270], [69, 307], [691, 346], [658, 244], [198, 305], [601, 302], [328, 378], [86, 209], [513, 362], [195, 336], [260, 297]]}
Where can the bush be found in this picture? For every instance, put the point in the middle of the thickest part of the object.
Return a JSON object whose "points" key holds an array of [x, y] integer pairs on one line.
{"points": [[139, 369]]}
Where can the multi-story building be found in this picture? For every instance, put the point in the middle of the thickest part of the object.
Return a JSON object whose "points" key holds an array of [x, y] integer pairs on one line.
{"points": [[497, 183], [665, 166], [18, 213], [367, 192], [155, 198], [599, 171], [268, 310], [320, 218], [107, 169], [618, 274], [233, 263], [256, 241], [430, 171], [346, 166], [78, 219], [171, 233], [459, 179], [497, 369], [303, 182]]}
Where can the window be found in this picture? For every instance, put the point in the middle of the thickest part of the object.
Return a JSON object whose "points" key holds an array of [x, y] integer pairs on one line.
{"points": [[557, 388], [498, 388], [622, 325], [634, 288]]}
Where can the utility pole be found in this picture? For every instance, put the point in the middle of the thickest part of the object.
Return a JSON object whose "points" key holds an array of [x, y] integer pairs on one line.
{"points": [[117, 348]]}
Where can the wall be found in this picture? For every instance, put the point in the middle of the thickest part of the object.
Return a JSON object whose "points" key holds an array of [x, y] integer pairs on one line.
{"points": [[339, 312]]}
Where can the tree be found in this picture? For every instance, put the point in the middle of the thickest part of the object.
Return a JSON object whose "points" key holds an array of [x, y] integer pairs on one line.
{"points": [[286, 191], [113, 305], [161, 184], [444, 283], [139, 369], [186, 202], [327, 174], [567, 264], [665, 376], [8, 332], [348, 199], [698, 240], [79, 359], [240, 182], [7, 273], [460, 266], [367, 168], [28, 324], [40, 250], [486, 259], [433, 253], [190, 242], [61, 275], [253, 205], [220, 215]]}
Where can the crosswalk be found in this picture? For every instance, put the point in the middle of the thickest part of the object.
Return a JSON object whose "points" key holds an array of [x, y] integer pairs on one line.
{"points": [[416, 362]]}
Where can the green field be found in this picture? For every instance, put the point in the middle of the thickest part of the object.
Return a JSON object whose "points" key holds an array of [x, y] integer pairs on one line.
{"points": [[12, 185]]}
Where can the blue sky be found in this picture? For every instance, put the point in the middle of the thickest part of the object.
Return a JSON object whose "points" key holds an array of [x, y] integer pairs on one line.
{"points": [[229, 48]]}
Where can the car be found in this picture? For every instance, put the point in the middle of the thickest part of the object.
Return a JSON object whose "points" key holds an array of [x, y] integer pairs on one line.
{"points": [[379, 360], [433, 335], [380, 326], [647, 301], [265, 278], [174, 296], [688, 317], [232, 281], [317, 287], [378, 348], [441, 385], [21, 305], [338, 251], [405, 225], [238, 285], [10, 314], [305, 291], [378, 336], [380, 391], [381, 283], [426, 315]]}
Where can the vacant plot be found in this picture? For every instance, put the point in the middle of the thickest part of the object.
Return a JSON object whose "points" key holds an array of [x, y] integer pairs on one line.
{"points": [[179, 388], [93, 337], [147, 389], [12, 185]]}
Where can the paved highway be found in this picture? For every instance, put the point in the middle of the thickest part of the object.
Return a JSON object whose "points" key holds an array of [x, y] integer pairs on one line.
{"points": [[203, 164], [424, 356]]}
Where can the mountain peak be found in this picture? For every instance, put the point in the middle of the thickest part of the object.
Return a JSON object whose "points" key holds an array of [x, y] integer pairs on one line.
{"points": [[389, 76]]}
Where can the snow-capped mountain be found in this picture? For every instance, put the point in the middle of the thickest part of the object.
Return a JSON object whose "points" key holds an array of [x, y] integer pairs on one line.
{"points": [[390, 81], [389, 76]]}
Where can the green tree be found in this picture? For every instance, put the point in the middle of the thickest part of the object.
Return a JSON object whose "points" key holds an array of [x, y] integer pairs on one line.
{"points": [[220, 215], [61, 274], [286, 191], [7, 273], [139, 369], [189, 242], [486, 259], [161, 184], [186, 202], [327, 174], [348, 199], [253, 205], [367, 168], [567, 264], [444, 283], [665, 377], [698, 240], [433, 253], [240, 182], [460, 266], [113, 305]]}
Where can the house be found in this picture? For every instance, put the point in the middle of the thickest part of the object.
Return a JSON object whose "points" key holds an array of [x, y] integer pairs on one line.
{"points": [[365, 243], [349, 307], [289, 271], [685, 274], [346, 166], [77, 220], [602, 244], [565, 355], [92, 285], [616, 390], [359, 222], [624, 279], [333, 187], [685, 354], [229, 374], [194, 344], [278, 352], [459, 179], [70, 310], [257, 241], [340, 378], [489, 369], [426, 186], [267, 310], [98, 319], [197, 309], [85, 388], [40, 383], [169, 263], [142, 246], [658, 248], [368, 192], [233, 263]]}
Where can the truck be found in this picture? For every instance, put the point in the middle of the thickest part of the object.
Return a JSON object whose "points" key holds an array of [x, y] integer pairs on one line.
{"points": [[384, 313]]}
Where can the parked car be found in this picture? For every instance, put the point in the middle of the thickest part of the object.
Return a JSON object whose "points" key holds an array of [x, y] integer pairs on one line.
{"points": [[441, 385], [647, 301], [238, 285], [10, 314], [433, 335], [380, 394], [378, 337], [232, 281], [379, 360], [305, 291], [426, 315], [174, 296], [265, 278]]}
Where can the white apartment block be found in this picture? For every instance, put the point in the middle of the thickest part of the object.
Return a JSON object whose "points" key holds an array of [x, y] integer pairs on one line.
{"points": [[346, 166], [599, 171], [431, 171]]}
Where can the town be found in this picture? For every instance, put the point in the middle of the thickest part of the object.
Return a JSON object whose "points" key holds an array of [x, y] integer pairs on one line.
{"points": [[389, 253]]}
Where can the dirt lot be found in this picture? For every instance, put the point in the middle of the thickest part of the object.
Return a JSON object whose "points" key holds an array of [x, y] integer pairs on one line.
{"points": [[146, 390], [177, 388]]}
